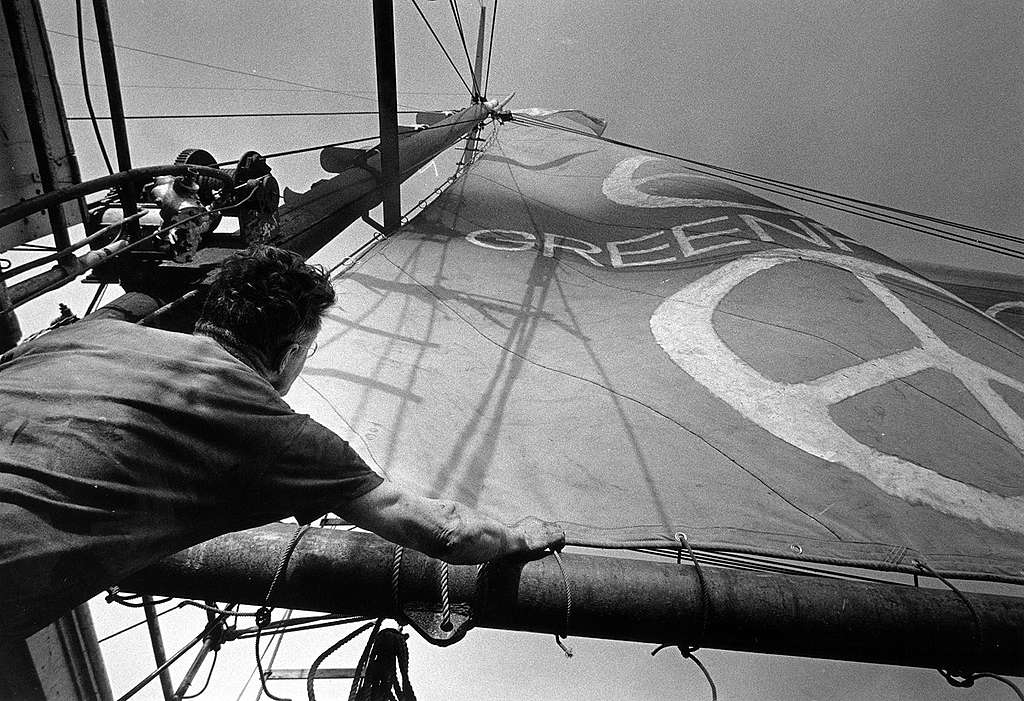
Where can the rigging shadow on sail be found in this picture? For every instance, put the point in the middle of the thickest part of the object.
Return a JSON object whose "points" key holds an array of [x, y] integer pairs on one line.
{"points": [[635, 351]]}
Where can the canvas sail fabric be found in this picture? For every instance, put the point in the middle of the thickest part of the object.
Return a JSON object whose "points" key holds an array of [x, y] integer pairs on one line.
{"points": [[582, 332]]}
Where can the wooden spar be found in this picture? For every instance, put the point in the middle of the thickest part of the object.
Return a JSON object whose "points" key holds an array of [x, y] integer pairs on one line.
{"points": [[310, 220], [387, 108], [478, 65], [613, 598]]}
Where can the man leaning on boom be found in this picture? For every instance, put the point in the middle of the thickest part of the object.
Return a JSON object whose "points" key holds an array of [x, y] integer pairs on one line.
{"points": [[121, 444]]}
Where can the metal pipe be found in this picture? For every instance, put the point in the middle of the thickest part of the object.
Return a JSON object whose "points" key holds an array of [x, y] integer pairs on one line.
{"points": [[17, 270], [387, 107], [62, 274], [23, 209], [156, 638], [34, 114], [616, 598]]}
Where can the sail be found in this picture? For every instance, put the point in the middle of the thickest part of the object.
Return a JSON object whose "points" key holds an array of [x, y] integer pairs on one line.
{"points": [[587, 333]]}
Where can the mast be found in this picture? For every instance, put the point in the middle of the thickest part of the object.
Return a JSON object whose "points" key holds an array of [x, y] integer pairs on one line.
{"points": [[387, 106], [612, 598], [116, 104]]}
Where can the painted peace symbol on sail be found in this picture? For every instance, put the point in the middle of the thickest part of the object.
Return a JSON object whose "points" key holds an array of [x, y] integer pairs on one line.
{"points": [[798, 413]]}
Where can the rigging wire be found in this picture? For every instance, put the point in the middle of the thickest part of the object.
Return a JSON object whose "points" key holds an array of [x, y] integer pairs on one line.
{"points": [[248, 74], [894, 220], [742, 561], [232, 115], [96, 298], [210, 627], [85, 87], [889, 219], [343, 143], [307, 149], [783, 183], [441, 45], [227, 88], [490, 48], [136, 625], [465, 47]]}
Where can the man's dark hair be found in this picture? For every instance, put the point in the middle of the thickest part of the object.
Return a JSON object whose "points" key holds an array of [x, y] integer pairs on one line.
{"points": [[268, 298]]}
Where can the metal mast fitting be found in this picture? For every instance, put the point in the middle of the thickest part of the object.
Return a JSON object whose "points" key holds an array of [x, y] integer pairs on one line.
{"points": [[615, 598]]}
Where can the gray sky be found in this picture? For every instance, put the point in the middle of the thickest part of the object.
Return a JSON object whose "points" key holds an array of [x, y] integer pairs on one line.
{"points": [[912, 104]]}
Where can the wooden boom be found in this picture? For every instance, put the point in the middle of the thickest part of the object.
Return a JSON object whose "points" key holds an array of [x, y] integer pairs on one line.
{"points": [[614, 598]]}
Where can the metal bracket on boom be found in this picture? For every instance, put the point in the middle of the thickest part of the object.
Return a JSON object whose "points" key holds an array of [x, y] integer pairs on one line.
{"points": [[429, 621]]}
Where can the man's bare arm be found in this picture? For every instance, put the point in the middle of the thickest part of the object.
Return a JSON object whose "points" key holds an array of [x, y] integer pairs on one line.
{"points": [[445, 529]]}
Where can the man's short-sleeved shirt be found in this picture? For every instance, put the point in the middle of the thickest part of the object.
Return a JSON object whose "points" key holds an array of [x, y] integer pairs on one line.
{"points": [[121, 444]]}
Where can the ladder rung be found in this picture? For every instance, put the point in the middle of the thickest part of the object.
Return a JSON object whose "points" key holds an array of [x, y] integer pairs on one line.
{"points": [[338, 673]]}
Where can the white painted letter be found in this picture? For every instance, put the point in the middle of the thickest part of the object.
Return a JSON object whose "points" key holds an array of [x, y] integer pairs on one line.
{"points": [[810, 236], [616, 254], [498, 241], [685, 240], [550, 245]]}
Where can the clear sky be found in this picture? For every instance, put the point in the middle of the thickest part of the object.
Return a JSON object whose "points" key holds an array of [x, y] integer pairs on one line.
{"points": [[912, 104]]}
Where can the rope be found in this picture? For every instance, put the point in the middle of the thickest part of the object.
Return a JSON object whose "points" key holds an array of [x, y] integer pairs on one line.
{"points": [[967, 681], [446, 607], [115, 596], [568, 606], [311, 675], [385, 658], [264, 611], [285, 626], [979, 632], [85, 88], [135, 625], [705, 599], [444, 50], [396, 573], [688, 654], [360, 672]]}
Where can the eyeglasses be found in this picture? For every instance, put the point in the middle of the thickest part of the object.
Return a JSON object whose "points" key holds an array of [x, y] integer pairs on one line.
{"points": [[311, 350]]}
